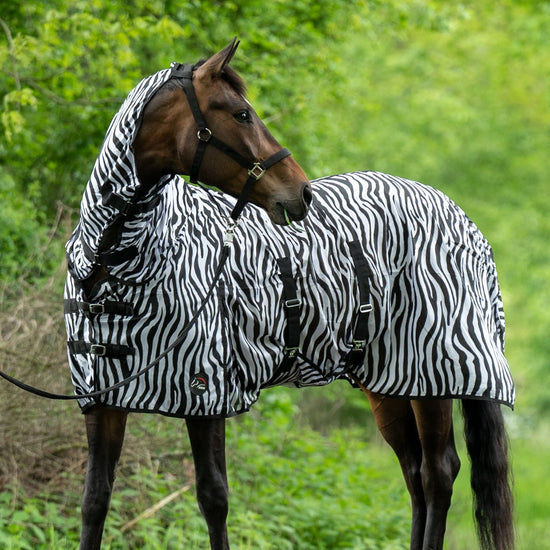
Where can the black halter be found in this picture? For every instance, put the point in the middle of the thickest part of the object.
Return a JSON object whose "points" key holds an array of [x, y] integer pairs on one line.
{"points": [[204, 136]]}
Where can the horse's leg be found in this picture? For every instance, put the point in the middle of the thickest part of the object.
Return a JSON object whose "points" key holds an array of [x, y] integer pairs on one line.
{"points": [[440, 464], [397, 424], [207, 438], [105, 429]]}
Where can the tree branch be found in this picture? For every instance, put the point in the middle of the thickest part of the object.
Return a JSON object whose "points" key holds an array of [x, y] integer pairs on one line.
{"points": [[11, 51]]}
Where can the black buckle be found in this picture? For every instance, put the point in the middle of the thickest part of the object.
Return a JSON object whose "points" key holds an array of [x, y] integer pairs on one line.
{"points": [[126, 208], [291, 352], [359, 345]]}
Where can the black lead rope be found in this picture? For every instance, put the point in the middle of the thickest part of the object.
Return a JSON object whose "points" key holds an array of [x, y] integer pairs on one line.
{"points": [[62, 397]]}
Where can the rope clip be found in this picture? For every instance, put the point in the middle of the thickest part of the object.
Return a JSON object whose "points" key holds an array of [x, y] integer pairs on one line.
{"points": [[230, 231]]}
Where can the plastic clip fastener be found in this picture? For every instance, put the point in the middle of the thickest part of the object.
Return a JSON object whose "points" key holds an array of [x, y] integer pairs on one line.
{"points": [[230, 232]]}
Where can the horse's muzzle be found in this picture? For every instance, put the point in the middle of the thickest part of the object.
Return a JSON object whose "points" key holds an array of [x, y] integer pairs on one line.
{"points": [[293, 210]]}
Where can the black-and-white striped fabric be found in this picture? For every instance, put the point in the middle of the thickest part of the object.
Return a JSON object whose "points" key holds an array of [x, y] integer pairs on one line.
{"points": [[435, 320], [114, 174]]}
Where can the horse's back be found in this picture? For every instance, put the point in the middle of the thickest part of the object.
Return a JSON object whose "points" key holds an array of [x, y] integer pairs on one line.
{"points": [[437, 329]]}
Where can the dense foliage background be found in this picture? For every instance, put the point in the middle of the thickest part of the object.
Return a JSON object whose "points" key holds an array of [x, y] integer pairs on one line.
{"points": [[455, 95]]}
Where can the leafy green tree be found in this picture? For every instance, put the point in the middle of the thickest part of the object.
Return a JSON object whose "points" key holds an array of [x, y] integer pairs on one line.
{"points": [[66, 75], [67, 66]]}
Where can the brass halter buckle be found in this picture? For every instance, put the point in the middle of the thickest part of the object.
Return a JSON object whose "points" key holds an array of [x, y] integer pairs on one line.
{"points": [[257, 171]]}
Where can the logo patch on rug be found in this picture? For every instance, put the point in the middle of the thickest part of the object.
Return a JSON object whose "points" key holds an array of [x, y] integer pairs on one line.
{"points": [[199, 383]]}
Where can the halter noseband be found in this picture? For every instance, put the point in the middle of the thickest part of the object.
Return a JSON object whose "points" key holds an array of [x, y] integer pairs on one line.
{"points": [[204, 135]]}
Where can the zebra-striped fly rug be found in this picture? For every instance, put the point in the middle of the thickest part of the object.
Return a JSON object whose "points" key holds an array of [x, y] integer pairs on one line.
{"points": [[380, 258]]}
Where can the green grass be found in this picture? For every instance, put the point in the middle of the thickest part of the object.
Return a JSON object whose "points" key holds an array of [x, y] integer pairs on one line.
{"points": [[291, 486]]}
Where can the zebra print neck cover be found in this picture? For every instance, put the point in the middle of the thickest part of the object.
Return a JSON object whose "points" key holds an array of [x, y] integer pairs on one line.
{"points": [[114, 171], [436, 328]]}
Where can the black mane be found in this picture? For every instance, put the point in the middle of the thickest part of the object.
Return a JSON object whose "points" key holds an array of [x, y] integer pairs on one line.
{"points": [[234, 80]]}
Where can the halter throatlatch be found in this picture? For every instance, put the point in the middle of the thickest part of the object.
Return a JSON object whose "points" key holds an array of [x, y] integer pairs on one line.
{"points": [[205, 137]]}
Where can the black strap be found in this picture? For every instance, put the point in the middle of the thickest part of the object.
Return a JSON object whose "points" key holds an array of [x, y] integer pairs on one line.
{"points": [[114, 257], [197, 161], [255, 172], [77, 347], [126, 207], [360, 332], [204, 135], [185, 72], [179, 70], [292, 310], [274, 159], [106, 307]]}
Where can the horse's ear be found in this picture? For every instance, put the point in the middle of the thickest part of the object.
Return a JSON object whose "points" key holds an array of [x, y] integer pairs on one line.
{"points": [[219, 61]]}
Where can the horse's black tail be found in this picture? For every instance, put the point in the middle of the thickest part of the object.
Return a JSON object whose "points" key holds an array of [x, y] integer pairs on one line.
{"points": [[487, 445]]}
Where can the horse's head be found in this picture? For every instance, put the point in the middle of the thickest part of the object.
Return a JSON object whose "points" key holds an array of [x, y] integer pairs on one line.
{"points": [[232, 140]]}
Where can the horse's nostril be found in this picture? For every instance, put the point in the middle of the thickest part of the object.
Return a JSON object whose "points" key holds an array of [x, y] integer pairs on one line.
{"points": [[307, 194]]}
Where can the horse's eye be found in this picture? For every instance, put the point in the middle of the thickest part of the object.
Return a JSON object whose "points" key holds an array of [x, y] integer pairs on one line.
{"points": [[243, 116]]}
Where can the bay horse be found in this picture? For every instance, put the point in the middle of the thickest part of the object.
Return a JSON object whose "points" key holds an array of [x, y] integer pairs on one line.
{"points": [[198, 122]]}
